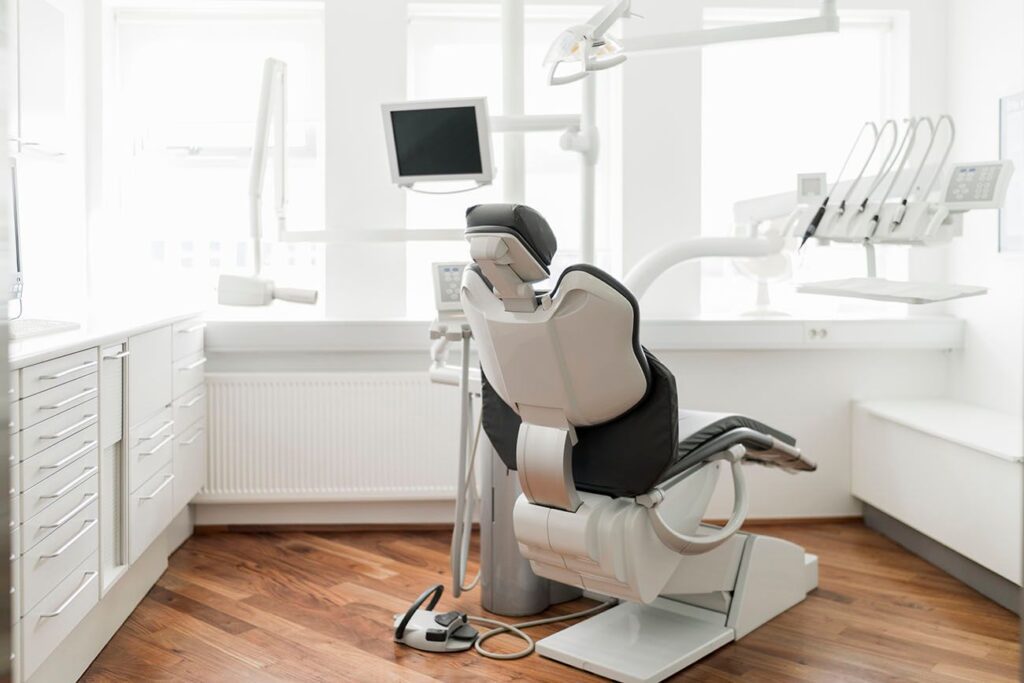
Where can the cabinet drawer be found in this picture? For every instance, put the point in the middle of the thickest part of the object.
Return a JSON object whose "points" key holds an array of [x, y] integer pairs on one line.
{"points": [[151, 446], [190, 408], [43, 376], [149, 374], [45, 493], [150, 511], [47, 463], [13, 387], [189, 465], [15, 456], [15, 595], [14, 418], [189, 373], [49, 622], [112, 372], [15, 511], [188, 338], [49, 563], [47, 404], [60, 513], [16, 651], [58, 428]]}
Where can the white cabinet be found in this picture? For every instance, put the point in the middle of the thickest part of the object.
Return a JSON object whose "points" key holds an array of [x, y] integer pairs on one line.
{"points": [[150, 447], [49, 622], [150, 376], [113, 482], [189, 464], [99, 468], [43, 73], [112, 374], [189, 412]]}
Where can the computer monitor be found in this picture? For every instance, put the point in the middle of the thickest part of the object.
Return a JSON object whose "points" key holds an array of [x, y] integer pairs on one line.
{"points": [[439, 140]]}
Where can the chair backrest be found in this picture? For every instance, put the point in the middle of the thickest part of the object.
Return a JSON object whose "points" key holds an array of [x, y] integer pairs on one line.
{"points": [[570, 358]]}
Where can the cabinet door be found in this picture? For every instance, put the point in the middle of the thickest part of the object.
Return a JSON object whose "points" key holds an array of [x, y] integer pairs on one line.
{"points": [[43, 72], [112, 362], [150, 376]]}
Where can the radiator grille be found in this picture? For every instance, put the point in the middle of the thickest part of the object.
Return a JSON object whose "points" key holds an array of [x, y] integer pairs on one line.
{"points": [[315, 437]]}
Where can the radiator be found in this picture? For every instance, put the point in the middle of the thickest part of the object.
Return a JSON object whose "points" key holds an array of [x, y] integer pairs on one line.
{"points": [[323, 437]]}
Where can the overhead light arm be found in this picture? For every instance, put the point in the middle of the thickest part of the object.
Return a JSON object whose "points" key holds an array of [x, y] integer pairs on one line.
{"points": [[590, 45], [240, 290], [826, 22], [271, 113]]}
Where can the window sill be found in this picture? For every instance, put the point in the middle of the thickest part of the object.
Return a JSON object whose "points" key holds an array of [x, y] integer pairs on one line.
{"points": [[740, 334]]}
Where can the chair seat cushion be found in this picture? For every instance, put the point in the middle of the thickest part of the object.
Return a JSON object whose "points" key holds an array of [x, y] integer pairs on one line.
{"points": [[702, 434]]}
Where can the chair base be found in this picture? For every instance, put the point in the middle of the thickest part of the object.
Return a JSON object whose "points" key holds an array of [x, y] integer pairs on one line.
{"points": [[638, 643]]}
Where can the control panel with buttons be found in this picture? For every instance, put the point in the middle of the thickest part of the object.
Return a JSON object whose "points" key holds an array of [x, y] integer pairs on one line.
{"points": [[447, 285], [978, 186]]}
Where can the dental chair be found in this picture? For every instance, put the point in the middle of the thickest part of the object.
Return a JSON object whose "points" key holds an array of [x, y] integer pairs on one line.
{"points": [[615, 477]]}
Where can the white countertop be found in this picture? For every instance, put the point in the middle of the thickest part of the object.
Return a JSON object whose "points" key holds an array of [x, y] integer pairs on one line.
{"points": [[998, 434], [98, 329], [773, 334]]}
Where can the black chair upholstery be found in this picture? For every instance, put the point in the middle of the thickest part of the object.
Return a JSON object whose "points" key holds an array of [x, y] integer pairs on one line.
{"points": [[630, 454]]}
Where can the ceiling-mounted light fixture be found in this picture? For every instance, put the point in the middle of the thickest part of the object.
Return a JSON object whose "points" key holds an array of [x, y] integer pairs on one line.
{"points": [[589, 44]]}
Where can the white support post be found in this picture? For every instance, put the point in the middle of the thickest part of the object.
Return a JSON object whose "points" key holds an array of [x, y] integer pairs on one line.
{"points": [[588, 160], [513, 86]]}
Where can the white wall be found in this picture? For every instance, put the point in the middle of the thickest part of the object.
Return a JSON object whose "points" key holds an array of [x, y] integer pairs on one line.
{"points": [[806, 394], [985, 61]]}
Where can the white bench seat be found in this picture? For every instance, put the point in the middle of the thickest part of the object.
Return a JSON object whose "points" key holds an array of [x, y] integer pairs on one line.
{"points": [[950, 470]]}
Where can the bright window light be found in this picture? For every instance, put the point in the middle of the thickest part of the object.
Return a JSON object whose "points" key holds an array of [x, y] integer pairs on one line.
{"points": [[773, 110], [186, 87], [455, 51]]}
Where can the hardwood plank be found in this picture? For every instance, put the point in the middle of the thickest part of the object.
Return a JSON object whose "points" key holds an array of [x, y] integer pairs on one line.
{"points": [[316, 604]]}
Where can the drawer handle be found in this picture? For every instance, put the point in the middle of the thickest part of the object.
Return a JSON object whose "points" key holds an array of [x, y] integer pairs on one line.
{"points": [[167, 480], [89, 524], [71, 399], [89, 445], [118, 356], [88, 576], [194, 328], [64, 373], [88, 472], [163, 428], [195, 400], [199, 432], [193, 366], [163, 442], [89, 498], [88, 419]]}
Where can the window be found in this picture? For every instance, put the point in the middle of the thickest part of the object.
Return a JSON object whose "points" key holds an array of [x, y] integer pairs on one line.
{"points": [[769, 114], [455, 51], [183, 99]]}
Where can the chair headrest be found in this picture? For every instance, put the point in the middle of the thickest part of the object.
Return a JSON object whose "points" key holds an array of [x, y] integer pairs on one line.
{"points": [[520, 221]]}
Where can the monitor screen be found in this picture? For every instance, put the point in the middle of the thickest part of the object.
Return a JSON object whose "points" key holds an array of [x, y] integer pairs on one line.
{"points": [[437, 142]]}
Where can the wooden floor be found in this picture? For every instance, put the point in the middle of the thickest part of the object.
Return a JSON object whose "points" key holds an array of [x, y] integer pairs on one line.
{"points": [[318, 607]]}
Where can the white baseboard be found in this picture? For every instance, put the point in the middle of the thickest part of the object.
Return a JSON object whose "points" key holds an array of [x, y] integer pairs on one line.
{"points": [[180, 529], [354, 513]]}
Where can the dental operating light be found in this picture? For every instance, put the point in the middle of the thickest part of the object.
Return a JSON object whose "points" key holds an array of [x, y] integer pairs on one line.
{"points": [[241, 290], [590, 45]]}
